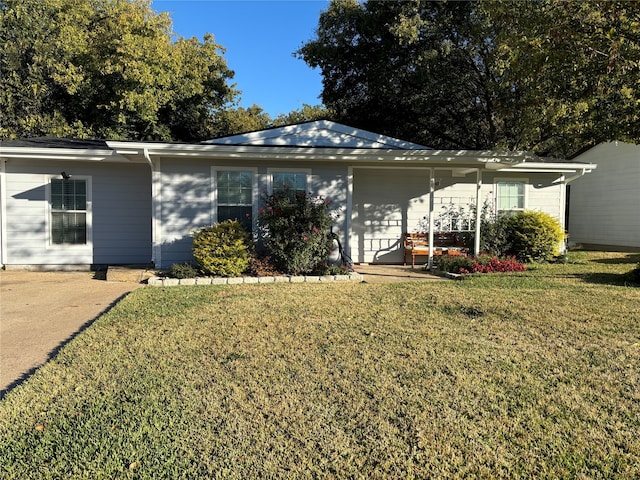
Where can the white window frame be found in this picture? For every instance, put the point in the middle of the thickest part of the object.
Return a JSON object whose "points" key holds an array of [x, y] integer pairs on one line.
{"points": [[524, 181], [254, 191], [88, 245], [271, 171]]}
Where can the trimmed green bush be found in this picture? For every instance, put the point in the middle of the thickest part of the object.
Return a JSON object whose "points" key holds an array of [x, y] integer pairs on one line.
{"points": [[183, 270], [296, 231], [222, 249], [534, 236], [454, 264]]}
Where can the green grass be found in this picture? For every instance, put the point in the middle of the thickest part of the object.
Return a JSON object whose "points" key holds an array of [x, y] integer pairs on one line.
{"points": [[528, 375]]}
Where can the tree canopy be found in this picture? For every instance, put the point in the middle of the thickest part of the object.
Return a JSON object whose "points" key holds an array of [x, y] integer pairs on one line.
{"points": [[106, 69], [543, 75]]}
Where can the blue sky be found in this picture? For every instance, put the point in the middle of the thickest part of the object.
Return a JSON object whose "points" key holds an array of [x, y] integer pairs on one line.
{"points": [[260, 37]]}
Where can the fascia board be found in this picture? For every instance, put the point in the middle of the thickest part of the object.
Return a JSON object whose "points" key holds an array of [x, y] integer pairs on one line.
{"points": [[66, 154], [462, 157], [540, 167]]}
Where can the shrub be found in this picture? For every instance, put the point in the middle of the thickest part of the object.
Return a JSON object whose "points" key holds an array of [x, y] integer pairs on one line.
{"points": [[295, 230], [534, 236], [454, 264], [489, 264], [495, 238], [222, 249], [481, 264], [183, 270]]}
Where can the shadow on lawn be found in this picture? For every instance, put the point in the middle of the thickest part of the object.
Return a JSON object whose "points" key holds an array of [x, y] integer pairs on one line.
{"points": [[631, 258], [617, 279]]}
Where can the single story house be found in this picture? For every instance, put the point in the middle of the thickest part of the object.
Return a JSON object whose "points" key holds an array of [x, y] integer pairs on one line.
{"points": [[604, 207], [68, 203]]}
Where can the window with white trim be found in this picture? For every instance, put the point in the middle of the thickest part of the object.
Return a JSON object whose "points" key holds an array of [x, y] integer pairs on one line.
{"points": [[234, 194], [68, 211], [510, 195], [289, 181]]}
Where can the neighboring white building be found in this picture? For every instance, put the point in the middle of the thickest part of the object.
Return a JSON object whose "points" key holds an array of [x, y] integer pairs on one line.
{"points": [[604, 207], [67, 203]]}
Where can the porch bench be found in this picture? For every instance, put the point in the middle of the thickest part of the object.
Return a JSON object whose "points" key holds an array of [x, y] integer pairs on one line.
{"points": [[445, 243]]}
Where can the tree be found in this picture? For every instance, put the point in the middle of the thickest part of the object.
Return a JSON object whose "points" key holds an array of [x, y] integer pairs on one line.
{"points": [[544, 75], [415, 70], [241, 120], [572, 69], [307, 113], [105, 69]]}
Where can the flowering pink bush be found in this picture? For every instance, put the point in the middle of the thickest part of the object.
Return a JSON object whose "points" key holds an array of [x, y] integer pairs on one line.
{"points": [[493, 265], [296, 231]]}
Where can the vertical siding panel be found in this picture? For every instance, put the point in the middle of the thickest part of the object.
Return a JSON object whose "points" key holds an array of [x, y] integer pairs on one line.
{"points": [[603, 207]]}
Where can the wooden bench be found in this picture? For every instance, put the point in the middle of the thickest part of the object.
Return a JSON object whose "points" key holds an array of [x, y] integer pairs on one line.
{"points": [[445, 243]]}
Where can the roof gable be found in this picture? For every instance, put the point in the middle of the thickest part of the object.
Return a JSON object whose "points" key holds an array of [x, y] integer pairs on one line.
{"points": [[320, 133]]}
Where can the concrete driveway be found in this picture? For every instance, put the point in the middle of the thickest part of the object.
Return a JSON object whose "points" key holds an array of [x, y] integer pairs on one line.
{"points": [[41, 311]]}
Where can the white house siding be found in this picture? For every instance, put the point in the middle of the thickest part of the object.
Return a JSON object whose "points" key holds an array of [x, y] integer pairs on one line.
{"points": [[604, 204], [543, 192], [185, 193], [120, 214], [389, 202], [186, 198], [386, 203]]}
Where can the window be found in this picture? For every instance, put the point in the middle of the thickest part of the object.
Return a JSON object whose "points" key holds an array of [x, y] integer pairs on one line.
{"points": [[295, 182], [511, 195], [68, 212], [234, 190]]}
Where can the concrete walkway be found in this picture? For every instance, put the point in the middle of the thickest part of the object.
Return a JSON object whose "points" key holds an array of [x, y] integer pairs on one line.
{"points": [[41, 311], [394, 273]]}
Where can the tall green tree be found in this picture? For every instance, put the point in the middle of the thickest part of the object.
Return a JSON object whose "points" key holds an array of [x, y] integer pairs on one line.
{"points": [[573, 71], [307, 113], [415, 69], [241, 120], [106, 69], [542, 75]]}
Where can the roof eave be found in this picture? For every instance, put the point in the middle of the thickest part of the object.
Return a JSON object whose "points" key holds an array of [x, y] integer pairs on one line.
{"points": [[64, 154], [349, 155]]}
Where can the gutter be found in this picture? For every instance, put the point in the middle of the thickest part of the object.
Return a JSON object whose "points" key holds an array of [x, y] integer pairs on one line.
{"points": [[581, 173]]}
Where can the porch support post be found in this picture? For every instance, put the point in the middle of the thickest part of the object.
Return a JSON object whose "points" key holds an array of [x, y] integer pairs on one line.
{"points": [[432, 190], [349, 213], [476, 246], [156, 178], [3, 213]]}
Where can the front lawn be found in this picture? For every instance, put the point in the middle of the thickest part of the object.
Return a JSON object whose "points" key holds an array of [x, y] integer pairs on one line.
{"points": [[524, 375]]}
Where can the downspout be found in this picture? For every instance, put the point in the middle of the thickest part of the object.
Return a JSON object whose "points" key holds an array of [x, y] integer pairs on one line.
{"points": [[156, 254]]}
